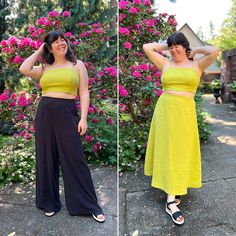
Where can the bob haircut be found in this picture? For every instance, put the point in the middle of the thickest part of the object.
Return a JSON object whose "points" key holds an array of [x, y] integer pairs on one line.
{"points": [[178, 38], [51, 37]]}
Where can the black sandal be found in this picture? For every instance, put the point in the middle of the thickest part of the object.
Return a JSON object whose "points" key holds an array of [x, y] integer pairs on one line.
{"points": [[174, 216], [178, 198], [97, 219]]}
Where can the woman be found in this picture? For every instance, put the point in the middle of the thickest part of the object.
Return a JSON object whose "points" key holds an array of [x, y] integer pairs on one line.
{"points": [[57, 130], [173, 152]]}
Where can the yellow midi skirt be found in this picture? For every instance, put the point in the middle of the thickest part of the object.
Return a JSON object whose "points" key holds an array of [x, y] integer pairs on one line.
{"points": [[173, 157]]}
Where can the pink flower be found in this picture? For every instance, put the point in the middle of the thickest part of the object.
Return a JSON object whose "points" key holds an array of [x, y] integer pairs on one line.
{"points": [[136, 74], [133, 10], [31, 29], [172, 22], [122, 91], [5, 50], [21, 117], [121, 17], [101, 112], [122, 107], [157, 83], [94, 120], [109, 121], [66, 13], [82, 24], [138, 2], [90, 110], [158, 74], [164, 14], [18, 59], [31, 129], [128, 45], [144, 67], [3, 97], [101, 73], [4, 43], [22, 102], [96, 25], [12, 104], [13, 96], [124, 31], [47, 23], [153, 68], [147, 3], [27, 136], [158, 93], [88, 138], [103, 91], [95, 148], [147, 101], [149, 78], [157, 32], [15, 135], [40, 31], [12, 40], [53, 14], [22, 133], [123, 4], [34, 35], [68, 34], [22, 126]]}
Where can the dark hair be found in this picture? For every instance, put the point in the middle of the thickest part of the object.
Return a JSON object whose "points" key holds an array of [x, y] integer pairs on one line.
{"points": [[178, 38], [50, 37]]}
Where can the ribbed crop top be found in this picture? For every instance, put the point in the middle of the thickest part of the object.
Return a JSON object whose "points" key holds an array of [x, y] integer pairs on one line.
{"points": [[180, 79], [64, 80]]}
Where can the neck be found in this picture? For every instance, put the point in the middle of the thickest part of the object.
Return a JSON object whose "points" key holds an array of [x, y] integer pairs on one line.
{"points": [[60, 60]]}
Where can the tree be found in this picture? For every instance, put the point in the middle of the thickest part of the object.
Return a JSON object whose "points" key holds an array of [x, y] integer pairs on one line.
{"points": [[227, 37], [200, 34]]}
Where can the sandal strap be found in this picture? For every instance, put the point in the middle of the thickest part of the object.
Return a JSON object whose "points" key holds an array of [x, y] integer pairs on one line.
{"points": [[177, 214], [169, 203]]}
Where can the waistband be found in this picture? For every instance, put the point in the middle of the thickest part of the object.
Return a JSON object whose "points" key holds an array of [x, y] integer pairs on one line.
{"points": [[177, 96], [57, 99]]}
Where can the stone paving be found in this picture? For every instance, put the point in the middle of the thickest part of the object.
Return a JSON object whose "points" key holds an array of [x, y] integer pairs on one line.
{"points": [[20, 217], [210, 210]]}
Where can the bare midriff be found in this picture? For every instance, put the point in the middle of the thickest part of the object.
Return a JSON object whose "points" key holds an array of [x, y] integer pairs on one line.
{"points": [[181, 93], [59, 95]]}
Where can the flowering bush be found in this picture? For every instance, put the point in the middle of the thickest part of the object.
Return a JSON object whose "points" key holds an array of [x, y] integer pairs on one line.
{"points": [[100, 144], [139, 80]]}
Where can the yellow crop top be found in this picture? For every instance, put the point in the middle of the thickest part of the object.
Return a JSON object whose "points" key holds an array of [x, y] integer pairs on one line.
{"points": [[64, 80], [180, 79]]}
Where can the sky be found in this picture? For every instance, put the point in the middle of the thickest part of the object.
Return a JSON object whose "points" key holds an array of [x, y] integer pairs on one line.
{"points": [[196, 13]]}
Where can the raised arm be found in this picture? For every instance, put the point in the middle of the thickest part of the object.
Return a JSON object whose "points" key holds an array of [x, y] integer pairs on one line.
{"points": [[27, 68], [211, 52], [152, 51], [84, 96]]}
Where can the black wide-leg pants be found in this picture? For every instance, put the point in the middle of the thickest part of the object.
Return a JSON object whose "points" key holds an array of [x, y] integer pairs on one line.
{"points": [[58, 143]]}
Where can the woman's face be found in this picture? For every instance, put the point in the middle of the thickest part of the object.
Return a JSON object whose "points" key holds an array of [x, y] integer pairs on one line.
{"points": [[178, 52], [59, 47]]}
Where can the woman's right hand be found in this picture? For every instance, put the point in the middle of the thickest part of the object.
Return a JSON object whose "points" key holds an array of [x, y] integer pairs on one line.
{"points": [[41, 48]]}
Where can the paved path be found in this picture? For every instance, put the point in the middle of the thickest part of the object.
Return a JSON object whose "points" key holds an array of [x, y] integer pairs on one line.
{"points": [[209, 211], [20, 217]]}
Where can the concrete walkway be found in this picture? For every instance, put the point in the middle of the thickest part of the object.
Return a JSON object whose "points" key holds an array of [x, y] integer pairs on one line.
{"points": [[20, 217], [209, 211]]}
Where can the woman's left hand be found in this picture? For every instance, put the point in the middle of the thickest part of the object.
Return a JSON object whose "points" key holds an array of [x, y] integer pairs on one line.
{"points": [[82, 127]]}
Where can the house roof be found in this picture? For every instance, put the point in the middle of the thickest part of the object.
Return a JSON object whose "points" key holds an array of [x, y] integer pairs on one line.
{"points": [[195, 41]]}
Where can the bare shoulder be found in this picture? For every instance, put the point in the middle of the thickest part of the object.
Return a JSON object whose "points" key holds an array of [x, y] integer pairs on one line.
{"points": [[80, 65]]}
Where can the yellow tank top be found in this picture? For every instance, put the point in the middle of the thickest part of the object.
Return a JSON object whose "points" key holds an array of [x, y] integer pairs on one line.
{"points": [[180, 79], [64, 80]]}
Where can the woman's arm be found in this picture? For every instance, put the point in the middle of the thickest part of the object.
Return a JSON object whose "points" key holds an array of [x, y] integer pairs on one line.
{"points": [[211, 52], [27, 68], [84, 97], [152, 49]]}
